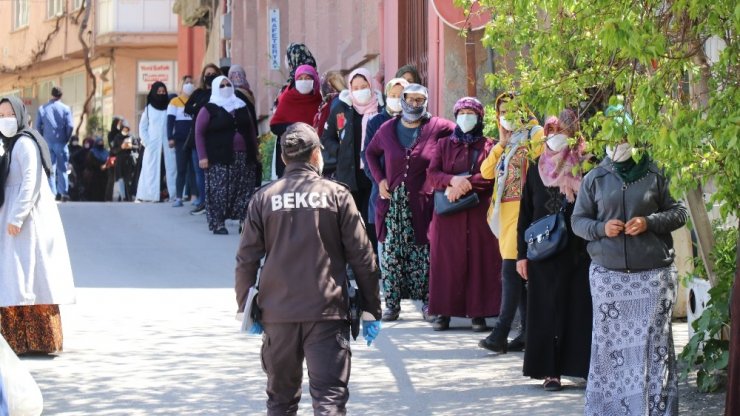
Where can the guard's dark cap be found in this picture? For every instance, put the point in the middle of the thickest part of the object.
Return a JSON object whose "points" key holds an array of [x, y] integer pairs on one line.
{"points": [[299, 139]]}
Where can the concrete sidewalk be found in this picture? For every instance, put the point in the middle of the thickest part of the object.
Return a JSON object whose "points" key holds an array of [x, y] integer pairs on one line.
{"points": [[153, 333]]}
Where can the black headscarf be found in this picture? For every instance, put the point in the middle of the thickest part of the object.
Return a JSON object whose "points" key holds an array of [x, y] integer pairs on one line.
{"points": [[158, 101], [24, 128], [114, 129]]}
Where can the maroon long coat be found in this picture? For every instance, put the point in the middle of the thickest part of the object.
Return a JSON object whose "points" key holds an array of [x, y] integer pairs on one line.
{"points": [[465, 263], [408, 166]]}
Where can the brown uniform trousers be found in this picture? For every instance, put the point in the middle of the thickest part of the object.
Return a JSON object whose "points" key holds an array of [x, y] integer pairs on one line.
{"points": [[325, 347]]}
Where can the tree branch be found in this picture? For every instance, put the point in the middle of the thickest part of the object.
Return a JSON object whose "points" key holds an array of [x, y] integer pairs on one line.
{"points": [[88, 65]]}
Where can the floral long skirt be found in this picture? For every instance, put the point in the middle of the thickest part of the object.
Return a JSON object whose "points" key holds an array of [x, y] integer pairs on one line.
{"points": [[33, 328], [633, 364], [228, 190], [404, 264]]}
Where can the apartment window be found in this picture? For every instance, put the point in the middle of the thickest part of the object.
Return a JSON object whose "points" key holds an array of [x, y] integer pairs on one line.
{"points": [[74, 88], [20, 13], [77, 4], [44, 91], [54, 8]]}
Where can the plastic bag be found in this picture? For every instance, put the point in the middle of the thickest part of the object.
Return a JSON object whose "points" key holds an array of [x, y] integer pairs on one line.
{"points": [[19, 393]]}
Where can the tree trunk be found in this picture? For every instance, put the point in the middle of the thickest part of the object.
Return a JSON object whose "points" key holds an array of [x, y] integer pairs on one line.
{"points": [[694, 198]]}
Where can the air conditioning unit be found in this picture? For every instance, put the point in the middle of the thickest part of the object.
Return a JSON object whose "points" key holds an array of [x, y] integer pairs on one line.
{"points": [[696, 301]]}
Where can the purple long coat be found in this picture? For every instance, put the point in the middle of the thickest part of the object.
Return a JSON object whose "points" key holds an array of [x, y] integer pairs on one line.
{"points": [[408, 166], [465, 263]]}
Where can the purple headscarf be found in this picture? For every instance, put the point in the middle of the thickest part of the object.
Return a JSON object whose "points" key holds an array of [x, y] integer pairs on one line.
{"points": [[476, 134]]}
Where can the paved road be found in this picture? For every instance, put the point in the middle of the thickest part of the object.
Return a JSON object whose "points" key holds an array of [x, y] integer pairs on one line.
{"points": [[153, 333]]}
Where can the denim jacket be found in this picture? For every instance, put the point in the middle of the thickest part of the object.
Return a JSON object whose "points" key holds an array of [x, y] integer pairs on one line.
{"points": [[54, 122]]}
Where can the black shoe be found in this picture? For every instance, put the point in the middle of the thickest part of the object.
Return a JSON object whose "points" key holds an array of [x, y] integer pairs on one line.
{"points": [[65, 198], [479, 325], [221, 231], [499, 347], [517, 344], [200, 209], [391, 314], [442, 323]]}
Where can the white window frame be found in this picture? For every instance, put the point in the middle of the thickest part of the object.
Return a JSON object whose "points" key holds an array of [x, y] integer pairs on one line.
{"points": [[77, 4], [20, 13], [54, 8]]}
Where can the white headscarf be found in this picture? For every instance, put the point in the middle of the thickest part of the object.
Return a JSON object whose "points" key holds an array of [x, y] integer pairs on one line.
{"points": [[229, 103]]}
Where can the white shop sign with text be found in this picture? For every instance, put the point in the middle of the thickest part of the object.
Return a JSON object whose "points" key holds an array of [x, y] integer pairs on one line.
{"points": [[149, 72]]}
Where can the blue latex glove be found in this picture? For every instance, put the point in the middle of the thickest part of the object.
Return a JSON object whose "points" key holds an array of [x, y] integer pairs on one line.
{"points": [[370, 330], [256, 329]]}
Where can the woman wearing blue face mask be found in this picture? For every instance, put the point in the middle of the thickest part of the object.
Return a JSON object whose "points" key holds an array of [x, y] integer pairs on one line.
{"points": [[35, 273], [463, 263], [398, 157]]}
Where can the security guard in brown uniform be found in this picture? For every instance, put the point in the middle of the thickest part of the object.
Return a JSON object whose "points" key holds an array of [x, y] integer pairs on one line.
{"points": [[308, 229]]}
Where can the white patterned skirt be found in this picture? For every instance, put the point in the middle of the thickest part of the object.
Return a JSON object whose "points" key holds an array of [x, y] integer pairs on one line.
{"points": [[633, 363]]}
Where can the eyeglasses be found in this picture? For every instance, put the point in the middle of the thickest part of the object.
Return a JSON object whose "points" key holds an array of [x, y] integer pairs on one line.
{"points": [[224, 85], [416, 101]]}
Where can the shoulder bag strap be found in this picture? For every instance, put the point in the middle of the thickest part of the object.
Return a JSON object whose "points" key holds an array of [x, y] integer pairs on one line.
{"points": [[476, 152]]}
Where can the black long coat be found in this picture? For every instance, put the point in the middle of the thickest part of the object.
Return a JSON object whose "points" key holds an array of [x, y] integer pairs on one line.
{"points": [[558, 340]]}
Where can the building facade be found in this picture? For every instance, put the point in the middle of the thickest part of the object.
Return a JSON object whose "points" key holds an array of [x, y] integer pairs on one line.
{"points": [[132, 43], [381, 35]]}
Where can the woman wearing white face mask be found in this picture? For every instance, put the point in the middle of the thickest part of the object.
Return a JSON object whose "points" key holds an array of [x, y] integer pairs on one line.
{"points": [[393, 91], [507, 165], [35, 273], [343, 138], [299, 102], [398, 157], [227, 151], [462, 263], [179, 124], [558, 335], [625, 211]]}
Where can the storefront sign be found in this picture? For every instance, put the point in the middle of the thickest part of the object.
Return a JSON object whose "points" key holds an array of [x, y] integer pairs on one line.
{"points": [[274, 38], [149, 72]]}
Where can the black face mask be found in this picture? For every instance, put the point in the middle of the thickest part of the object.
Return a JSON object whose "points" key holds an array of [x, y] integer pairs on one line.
{"points": [[208, 80], [160, 101]]}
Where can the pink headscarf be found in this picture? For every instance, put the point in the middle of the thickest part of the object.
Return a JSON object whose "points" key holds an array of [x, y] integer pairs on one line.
{"points": [[372, 105], [311, 71], [563, 168], [369, 109]]}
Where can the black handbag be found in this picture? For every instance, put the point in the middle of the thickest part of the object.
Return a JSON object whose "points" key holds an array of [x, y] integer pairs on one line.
{"points": [[443, 206], [547, 236]]}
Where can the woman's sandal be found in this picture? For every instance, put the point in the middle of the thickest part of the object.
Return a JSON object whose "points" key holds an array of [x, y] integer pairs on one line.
{"points": [[552, 384]]}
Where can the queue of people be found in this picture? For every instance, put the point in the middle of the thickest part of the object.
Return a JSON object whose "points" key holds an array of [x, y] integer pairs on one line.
{"points": [[450, 211], [419, 180]]}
